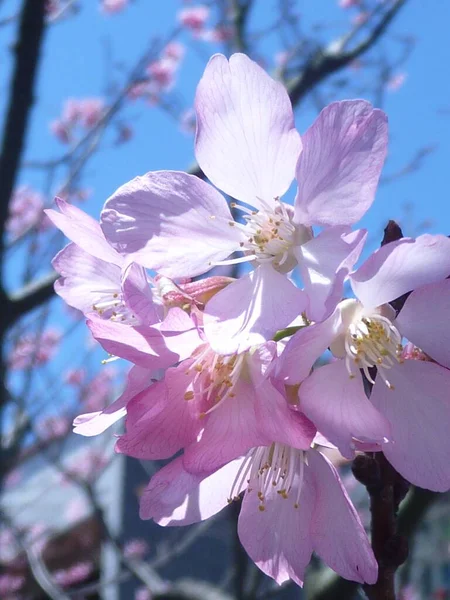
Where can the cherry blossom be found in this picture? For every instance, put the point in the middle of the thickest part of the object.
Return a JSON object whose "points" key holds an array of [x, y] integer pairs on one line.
{"points": [[95, 277], [409, 398], [111, 7], [194, 17], [337, 173], [298, 490], [25, 211], [78, 115], [34, 349], [396, 82]]}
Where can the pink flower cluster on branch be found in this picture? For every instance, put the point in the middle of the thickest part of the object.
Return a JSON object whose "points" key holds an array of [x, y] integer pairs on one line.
{"points": [[78, 115], [161, 73], [225, 369], [111, 7], [25, 212]]}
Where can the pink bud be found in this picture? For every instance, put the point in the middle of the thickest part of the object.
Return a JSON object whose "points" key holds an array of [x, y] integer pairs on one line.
{"points": [[194, 17]]}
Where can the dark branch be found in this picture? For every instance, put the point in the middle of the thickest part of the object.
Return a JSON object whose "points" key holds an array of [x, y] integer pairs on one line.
{"points": [[30, 297], [27, 51], [411, 515], [325, 62]]}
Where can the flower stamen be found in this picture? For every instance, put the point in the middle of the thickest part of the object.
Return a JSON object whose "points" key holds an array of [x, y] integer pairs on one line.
{"points": [[372, 342], [276, 468]]}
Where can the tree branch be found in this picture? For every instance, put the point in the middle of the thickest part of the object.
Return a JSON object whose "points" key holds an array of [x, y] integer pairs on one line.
{"points": [[327, 61], [411, 515], [30, 297], [27, 51]]}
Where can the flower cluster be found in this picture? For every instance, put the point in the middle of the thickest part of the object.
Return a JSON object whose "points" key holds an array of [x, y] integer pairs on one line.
{"points": [[226, 370], [79, 115], [162, 74]]}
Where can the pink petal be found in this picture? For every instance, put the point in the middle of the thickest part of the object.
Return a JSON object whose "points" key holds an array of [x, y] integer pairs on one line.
{"points": [[141, 345], [171, 222], [156, 347], [338, 170], [180, 333], [339, 408], [337, 533], [97, 422], [138, 295], [419, 411], [229, 431], [251, 310], [425, 320], [176, 497], [279, 421], [305, 347], [82, 276], [278, 538], [325, 262], [400, 267], [246, 141], [159, 420], [83, 230]]}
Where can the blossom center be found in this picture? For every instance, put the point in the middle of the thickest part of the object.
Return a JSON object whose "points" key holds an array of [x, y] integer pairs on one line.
{"points": [[275, 469], [111, 305], [214, 377], [372, 341], [271, 235]]}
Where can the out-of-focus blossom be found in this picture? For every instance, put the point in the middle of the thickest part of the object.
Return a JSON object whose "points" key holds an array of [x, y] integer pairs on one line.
{"points": [[76, 509], [34, 349], [12, 478], [143, 593], [61, 131], [78, 115], [396, 82], [188, 121], [73, 575], [50, 428], [124, 134], [163, 72], [281, 58], [138, 90], [360, 18], [221, 33], [348, 3], [75, 377], [97, 393], [10, 583], [37, 535], [175, 51], [111, 7], [409, 592], [86, 465], [26, 211], [71, 111], [9, 546], [52, 7], [135, 548], [356, 65], [194, 17], [91, 110]]}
